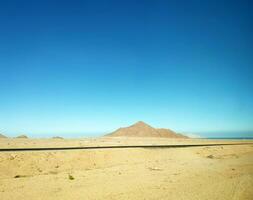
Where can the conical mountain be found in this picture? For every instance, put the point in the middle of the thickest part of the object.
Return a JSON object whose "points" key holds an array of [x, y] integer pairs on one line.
{"points": [[141, 129]]}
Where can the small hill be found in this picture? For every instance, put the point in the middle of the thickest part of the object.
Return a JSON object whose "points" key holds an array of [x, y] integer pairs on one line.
{"points": [[2, 136], [141, 129], [57, 137], [22, 136]]}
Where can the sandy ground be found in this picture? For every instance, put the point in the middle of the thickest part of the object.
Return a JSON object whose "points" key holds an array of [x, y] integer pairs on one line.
{"points": [[103, 141], [223, 172]]}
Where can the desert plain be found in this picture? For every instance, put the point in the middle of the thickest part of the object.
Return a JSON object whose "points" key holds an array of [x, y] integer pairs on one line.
{"points": [[191, 173]]}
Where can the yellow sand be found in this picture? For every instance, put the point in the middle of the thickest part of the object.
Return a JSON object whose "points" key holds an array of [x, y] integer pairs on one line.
{"points": [[188, 173]]}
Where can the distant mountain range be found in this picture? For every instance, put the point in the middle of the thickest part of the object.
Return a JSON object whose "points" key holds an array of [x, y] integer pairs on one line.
{"points": [[141, 129], [22, 137]]}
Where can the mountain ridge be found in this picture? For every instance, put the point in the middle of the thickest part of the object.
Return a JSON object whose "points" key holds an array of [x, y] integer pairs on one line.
{"points": [[2, 136]]}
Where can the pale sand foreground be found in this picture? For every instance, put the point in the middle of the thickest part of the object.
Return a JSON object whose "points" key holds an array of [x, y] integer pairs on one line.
{"points": [[188, 173], [103, 141]]}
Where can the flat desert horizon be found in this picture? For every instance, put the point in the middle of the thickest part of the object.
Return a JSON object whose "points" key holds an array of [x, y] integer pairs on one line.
{"points": [[205, 172]]}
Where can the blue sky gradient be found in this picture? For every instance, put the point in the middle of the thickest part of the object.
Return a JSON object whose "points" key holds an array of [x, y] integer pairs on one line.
{"points": [[76, 68]]}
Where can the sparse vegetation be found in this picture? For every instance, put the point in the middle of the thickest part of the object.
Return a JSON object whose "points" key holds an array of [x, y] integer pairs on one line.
{"points": [[20, 176], [71, 177]]}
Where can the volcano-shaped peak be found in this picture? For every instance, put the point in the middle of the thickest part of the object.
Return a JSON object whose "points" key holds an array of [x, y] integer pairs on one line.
{"points": [[141, 129], [141, 124]]}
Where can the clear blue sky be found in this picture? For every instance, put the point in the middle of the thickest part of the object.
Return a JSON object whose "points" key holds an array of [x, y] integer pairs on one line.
{"points": [[87, 67]]}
